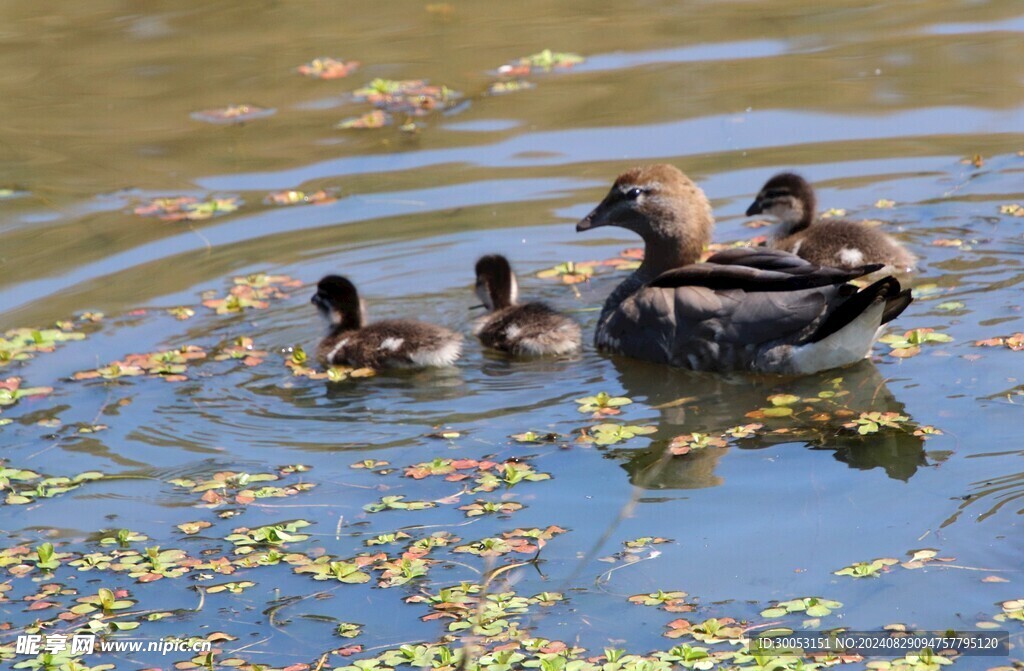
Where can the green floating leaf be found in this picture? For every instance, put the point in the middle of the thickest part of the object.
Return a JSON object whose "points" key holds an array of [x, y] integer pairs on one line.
{"points": [[602, 402], [610, 434], [397, 503], [871, 569], [813, 606], [543, 61]]}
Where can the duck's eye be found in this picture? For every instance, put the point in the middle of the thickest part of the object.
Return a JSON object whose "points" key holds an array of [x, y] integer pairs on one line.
{"points": [[634, 193]]}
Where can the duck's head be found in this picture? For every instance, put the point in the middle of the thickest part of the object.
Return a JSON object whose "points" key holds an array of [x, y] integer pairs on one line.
{"points": [[662, 205], [338, 301], [789, 198], [496, 284]]}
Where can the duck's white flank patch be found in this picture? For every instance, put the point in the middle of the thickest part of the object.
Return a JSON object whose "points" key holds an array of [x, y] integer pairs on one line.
{"points": [[337, 348], [513, 331], [391, 344], [848, 345], [796, 247], [445, 355], [851, 257]]}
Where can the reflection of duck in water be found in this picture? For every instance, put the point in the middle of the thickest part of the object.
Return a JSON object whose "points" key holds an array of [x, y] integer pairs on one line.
{"points": [[826, 401]]}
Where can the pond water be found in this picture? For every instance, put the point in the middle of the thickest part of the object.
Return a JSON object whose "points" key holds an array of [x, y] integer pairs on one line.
{"points": [[917, 104]]}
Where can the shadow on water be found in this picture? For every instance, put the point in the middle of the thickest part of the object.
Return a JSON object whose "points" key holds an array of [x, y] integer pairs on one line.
{"points": [[710, 404]]}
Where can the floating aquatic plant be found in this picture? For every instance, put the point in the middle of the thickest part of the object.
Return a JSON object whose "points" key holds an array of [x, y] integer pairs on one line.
{"points": [[298, 360], [294, 197], [171, 365], [237, 487], [602, 404], [328, 68], [868, 569], [11, 391], [242, 349], [397, 503], [251, 292], [686, 443], [673, 602], [568, 272], [482, 507], [909, 344], [24, 486], [511, 86], [872, 422], [24, 343], [233, 114], [187, 208], [1013, 342], [508, 474], [536, 437], [610, 434], [245, 539], [542, 61], [414, 97], [811, 605], [372, 119]]}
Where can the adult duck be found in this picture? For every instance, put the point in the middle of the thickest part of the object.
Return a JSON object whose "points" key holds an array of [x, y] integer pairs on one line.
{"points": [[761, 310]]}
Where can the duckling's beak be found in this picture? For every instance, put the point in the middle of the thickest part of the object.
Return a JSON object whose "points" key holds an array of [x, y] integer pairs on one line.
{"points": [[755, 208], [477, 307]]}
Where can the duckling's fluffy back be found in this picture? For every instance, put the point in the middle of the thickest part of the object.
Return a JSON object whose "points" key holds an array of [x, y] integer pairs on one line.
{"points": [[846, 244], [392, 343], [533, 329]]}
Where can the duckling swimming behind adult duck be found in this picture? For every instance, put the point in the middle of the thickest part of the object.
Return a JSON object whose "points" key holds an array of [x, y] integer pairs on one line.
{"points": [[389, 343], [531, 329], [825, 242], [750, 309]]}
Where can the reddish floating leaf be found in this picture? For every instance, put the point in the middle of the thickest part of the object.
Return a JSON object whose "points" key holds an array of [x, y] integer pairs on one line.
{"points": [[233, 114], [328, 68]]}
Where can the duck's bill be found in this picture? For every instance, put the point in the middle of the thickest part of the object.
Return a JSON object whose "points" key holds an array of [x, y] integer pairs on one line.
{"points": [[755, 208], [477, 307], [592, 220]]}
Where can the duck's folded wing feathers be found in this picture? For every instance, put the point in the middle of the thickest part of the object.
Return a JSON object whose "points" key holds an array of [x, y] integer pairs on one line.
{"points": [[758, 270]]}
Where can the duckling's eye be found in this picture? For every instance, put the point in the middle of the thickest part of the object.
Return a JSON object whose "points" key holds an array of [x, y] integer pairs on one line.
{"points": [[634, 193]]}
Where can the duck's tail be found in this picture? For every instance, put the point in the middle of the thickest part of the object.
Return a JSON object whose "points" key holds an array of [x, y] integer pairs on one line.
{"points": [[887, 290]]}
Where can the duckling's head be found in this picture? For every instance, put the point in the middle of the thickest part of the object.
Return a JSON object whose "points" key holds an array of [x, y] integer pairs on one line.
{"points": [[338, 301], [662, 205], [496, 284], [789, 198]]}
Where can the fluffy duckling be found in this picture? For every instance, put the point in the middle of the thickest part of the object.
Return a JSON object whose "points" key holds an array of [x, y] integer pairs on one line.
{"points": [[390, 343], [749, 309], [530, 329], [826, 242]]}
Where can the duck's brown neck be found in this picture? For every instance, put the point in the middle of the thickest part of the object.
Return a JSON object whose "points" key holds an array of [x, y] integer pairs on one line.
{"points": [[663, 253]]}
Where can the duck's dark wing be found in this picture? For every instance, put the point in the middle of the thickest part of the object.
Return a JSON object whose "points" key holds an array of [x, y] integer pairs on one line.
{"points": [[758, 270]]}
